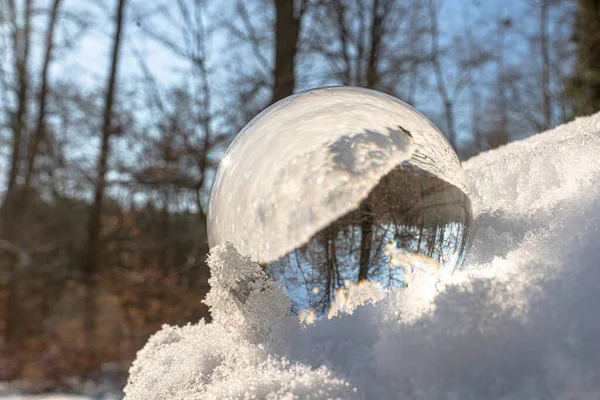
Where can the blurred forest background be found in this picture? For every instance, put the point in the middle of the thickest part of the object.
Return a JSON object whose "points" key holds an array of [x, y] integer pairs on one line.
{"points": [[114, 114]]}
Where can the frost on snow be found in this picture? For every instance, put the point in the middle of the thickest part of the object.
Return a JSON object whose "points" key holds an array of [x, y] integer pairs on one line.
{"points": [[522, 322], [237, 355]]}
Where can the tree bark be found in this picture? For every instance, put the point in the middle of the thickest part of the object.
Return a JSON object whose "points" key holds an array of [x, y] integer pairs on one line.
{"points": [[545, 73], [448, 103], [500, 134], [377, 18], [41, 120], [90, 260], [366, 240], [339, 10], [9, 221], [21, 41], [287, 29]]}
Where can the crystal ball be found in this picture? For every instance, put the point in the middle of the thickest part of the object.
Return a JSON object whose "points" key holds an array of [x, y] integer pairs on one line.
{"points": [[336, 187]]}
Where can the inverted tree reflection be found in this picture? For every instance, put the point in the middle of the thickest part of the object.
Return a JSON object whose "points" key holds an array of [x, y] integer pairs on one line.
{"points": [[418, 212]]}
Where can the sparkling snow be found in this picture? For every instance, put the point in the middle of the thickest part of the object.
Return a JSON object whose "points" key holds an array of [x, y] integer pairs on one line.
{"points": [[522, 322]]}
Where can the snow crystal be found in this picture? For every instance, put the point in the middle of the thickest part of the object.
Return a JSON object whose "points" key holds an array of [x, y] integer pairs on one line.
{"points": [[521, 322]]}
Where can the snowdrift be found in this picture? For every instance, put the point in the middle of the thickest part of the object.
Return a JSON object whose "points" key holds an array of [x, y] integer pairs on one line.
{"points": [[522, 321]]}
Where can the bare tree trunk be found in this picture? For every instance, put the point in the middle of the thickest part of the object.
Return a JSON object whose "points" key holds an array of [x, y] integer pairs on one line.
{"points": [[448, 104], [377, 16], [35, 140], [449, 115], [366, 240], [359, 76], [287, 29], [545, 73], [21, 41], [330, 283], [501, 89], [90, 260], [476, 118], [10, 210], [474, 90], [164, 233], [339, 9]]}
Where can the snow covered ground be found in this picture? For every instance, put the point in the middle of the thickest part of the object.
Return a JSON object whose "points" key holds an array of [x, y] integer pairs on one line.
{"points": [[521, 322]]}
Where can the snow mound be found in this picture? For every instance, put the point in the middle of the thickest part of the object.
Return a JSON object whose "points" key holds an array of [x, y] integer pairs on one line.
{"points": [[521, 322]]}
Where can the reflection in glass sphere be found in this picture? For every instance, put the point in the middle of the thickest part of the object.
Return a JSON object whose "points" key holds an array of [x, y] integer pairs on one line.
{"points": [[336, 186]]}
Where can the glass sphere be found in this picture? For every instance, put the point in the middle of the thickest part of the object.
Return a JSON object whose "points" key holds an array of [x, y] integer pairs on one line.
{"points": [[341, 185]]}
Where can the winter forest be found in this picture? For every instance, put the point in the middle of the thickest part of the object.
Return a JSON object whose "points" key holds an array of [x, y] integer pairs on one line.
{"points": [[114, 115]]}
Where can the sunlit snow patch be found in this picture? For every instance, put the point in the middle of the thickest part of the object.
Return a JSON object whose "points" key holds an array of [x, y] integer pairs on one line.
{"points": [[521, 323]]}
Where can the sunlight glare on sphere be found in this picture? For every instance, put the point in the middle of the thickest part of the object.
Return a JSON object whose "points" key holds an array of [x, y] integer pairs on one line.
{"points": [[340, 185]]}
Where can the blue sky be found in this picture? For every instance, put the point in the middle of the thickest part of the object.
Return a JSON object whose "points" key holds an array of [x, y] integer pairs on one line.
{"points": [[86, 62]]}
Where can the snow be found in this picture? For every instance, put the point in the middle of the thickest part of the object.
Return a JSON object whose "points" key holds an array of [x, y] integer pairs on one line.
{"points": [[520, 322], [313, 157]]}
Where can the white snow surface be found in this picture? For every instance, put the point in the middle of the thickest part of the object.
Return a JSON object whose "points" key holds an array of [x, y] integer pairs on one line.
{"points": [[521, 322], [313, 157]]}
